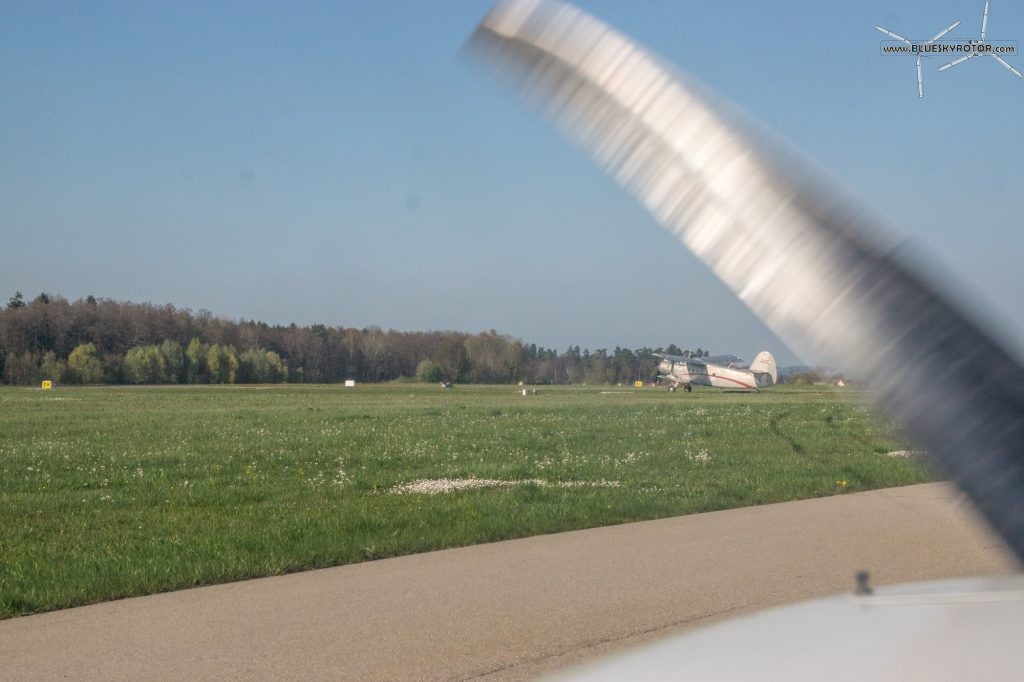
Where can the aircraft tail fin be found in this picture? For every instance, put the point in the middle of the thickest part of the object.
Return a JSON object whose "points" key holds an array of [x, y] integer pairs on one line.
{"points": [[764, 369]]}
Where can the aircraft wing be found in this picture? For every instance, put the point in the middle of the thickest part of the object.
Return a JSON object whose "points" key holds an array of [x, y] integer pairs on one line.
{"points": [[728, 360], [813, 268], [680, 358], [949, 630]]}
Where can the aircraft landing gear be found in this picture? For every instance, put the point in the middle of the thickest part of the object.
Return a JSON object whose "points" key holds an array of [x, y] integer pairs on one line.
{"points": [[671, 389], [687, 388]]}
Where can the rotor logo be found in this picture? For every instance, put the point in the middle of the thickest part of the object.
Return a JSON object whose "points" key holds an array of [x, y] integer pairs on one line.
{"points": [[961, 51]]}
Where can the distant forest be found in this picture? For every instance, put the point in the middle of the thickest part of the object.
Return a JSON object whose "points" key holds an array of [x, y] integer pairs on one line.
{"points": [[101, 341]]}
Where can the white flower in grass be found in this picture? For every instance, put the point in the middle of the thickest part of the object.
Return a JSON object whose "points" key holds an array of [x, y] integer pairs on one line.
{"points": [[702, 456]]}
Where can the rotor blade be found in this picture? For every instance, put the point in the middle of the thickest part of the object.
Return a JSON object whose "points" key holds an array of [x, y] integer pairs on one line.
{"points": [[955, 62], [984, 21], [890, 33], [920, 82], [951, 27], [1006, 64], [812, 268]]}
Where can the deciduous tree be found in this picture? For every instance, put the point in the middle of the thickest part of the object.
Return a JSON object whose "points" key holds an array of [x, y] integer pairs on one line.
{"points": [[84, 365], [222, 363], [429, 372]]}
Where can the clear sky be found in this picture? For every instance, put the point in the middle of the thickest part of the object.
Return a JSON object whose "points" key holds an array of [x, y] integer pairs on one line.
{"points": [[337, 162]]}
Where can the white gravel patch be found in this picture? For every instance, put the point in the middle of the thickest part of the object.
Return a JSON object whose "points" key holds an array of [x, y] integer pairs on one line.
{"points": [[907, 453], [433, 486]]}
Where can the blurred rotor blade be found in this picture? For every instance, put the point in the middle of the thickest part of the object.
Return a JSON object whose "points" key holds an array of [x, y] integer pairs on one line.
{"points": [[984, 21], [890, 33], [951, 27], [1006, 64], [955, 62], [811, 267], [920, 82]]}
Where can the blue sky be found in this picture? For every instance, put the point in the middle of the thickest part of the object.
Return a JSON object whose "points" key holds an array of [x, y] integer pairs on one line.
{"points": [[338, 163]]}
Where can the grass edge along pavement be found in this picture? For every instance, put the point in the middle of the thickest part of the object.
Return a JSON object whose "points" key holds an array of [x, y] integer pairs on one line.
{"points": [[117, 492]]}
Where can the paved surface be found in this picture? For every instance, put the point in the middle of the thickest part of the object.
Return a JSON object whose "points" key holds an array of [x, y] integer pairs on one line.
{"points": [[511, 610]]}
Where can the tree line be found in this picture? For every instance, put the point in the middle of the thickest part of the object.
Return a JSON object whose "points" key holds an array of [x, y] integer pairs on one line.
{"points": [[102, 341]]}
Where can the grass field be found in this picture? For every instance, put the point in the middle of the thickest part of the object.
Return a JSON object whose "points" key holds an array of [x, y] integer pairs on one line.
{"points": [[112, 492]]}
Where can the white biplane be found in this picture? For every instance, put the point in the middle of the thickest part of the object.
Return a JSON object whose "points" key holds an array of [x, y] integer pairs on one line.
{"points": [[718, 372]]}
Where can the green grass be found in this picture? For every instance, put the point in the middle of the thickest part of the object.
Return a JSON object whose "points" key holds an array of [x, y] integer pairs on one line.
{"points": [[113, 492]]}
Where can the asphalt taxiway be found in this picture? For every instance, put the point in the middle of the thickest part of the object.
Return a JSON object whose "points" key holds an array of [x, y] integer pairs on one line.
{"points": [[515, 609]]}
